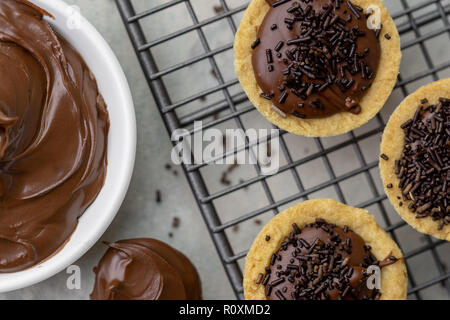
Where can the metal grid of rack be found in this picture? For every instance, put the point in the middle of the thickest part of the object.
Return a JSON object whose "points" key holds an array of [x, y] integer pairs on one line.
{"points": [[420, 22]]}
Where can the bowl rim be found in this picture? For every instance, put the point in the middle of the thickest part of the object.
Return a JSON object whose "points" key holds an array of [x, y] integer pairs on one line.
{"points": [[60, 261]]}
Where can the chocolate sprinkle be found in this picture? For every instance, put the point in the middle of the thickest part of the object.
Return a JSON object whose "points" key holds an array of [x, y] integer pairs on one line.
{"points": [[423, 168], [320, 270], [279, 3], [256, 43], [175, 222], [260, 278], [218, 9]]}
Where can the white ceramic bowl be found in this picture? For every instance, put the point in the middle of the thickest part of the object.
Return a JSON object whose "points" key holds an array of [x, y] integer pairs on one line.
{"points": [[121, 146]]}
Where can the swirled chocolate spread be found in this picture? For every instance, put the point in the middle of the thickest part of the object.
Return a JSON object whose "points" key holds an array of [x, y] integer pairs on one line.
{"points": [[321, 262], [315, 58], [145, 269], [53, 137]]}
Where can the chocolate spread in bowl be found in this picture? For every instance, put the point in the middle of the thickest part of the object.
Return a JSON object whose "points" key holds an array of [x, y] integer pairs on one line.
{"points": [[53, 137]]}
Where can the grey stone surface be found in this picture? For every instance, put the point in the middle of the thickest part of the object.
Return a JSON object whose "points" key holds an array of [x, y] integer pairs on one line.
{"points": [[141, 216]]}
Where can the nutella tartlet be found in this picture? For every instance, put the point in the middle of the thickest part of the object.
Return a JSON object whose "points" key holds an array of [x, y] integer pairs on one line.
{"points": [[324, 250], [317, 67], [415, 159], [54, 128], [145, 269]]}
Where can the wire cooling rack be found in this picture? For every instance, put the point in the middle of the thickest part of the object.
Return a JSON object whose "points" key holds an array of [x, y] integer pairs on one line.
{"points": [[185, 50]]}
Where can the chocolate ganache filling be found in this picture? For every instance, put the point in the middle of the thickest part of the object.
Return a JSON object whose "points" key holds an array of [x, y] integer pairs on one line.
{"points": [[315, 58], [53, 137], [145, 269], [321, 262]]}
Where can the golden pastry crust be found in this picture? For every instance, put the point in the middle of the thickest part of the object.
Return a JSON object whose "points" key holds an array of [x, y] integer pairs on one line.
{"points": [[394, 281], [341, 122], [392, 146]]}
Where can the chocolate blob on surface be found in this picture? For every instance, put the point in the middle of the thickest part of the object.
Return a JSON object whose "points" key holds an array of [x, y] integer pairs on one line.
{"points": [[424, 167], [53, 137], [315, 58], [145, 269], [321, 262]]}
